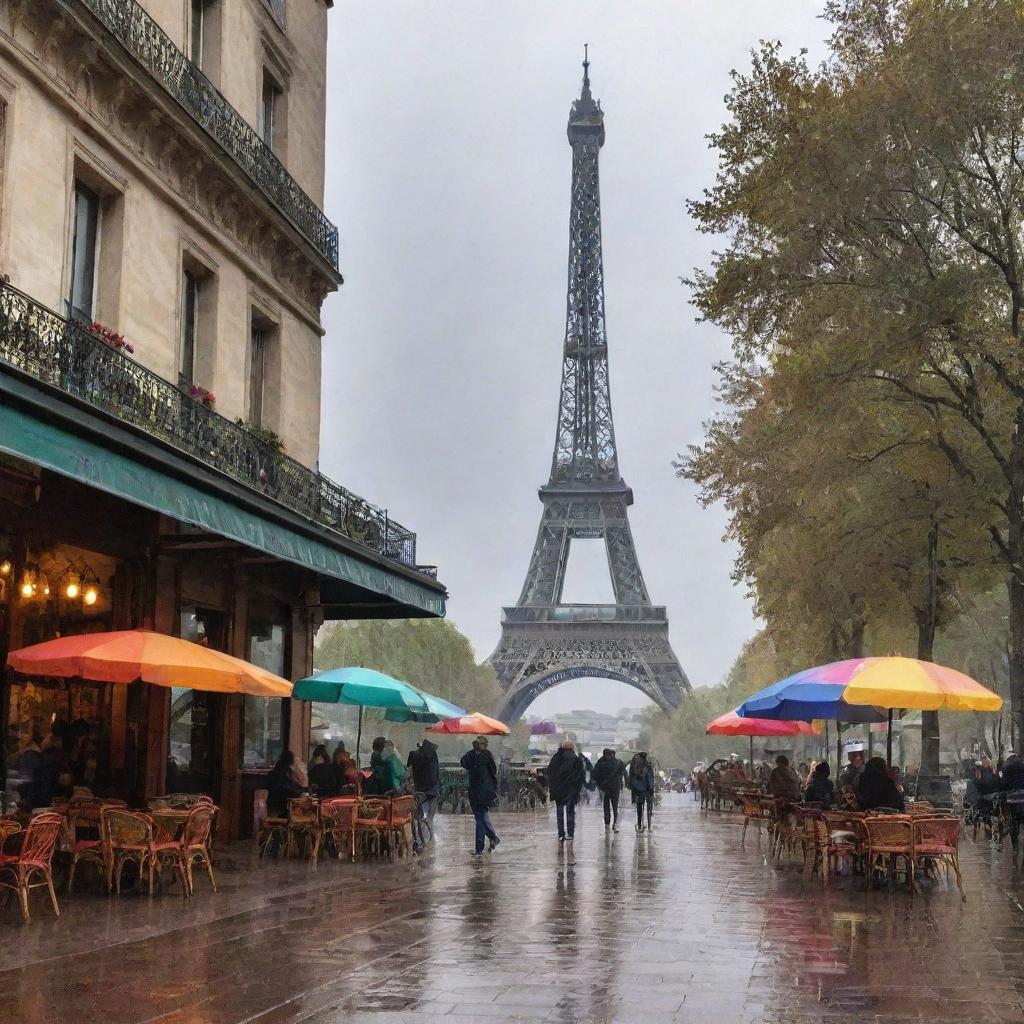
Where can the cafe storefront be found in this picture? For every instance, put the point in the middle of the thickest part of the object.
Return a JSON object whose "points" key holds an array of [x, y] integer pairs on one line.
{"points": [[197, 530]]}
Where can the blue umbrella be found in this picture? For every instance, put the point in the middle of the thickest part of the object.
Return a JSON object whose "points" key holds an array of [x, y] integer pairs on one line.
{"points": [[798, 698]]}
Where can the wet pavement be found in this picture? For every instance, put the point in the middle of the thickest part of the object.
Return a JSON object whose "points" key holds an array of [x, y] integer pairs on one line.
{"points": [[682, 925]]}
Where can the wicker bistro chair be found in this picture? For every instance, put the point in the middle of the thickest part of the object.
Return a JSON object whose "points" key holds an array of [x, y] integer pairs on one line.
{"points": [[785, 828], [371, 826], [195, 842], [830, 845], [937, 841], [304, 826], [889, 837], [338, 817], [34, 859], [757, 808], [85, 835], [400, 816], [132, 836]]}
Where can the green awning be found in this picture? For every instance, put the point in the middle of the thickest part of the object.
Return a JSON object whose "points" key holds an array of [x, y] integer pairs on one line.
{"points": [[53, 448]]}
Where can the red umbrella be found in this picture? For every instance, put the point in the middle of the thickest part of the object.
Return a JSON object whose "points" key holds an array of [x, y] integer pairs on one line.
{"points": [[730, 724], [475, 724]]}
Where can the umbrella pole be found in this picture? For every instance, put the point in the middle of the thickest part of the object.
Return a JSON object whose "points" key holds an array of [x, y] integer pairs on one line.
{"points": [[359, 734], [751, 757], [827, 742], [888, 741], [839, 747]]}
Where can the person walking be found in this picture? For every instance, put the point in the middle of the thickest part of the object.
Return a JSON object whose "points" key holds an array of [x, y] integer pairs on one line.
{"points": [[566, 775], [483, 792], [426, 776], [607, 775], [640, 779]]}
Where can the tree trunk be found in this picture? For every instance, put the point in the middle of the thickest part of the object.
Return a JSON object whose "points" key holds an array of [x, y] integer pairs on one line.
{"points": [[1016, 652], [926, 615]]}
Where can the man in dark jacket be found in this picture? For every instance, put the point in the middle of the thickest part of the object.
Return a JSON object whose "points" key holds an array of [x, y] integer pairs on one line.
{"points": [[483, 791], [566, 775], [426, 777], [1013, 786], [607, 774]]}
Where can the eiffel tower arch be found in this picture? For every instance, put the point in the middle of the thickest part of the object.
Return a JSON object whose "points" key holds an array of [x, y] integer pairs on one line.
{"points": [[545, 642]]}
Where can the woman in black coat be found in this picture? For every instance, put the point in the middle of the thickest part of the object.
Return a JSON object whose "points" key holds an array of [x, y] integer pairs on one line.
{"points": [[876, 789], [820, 789], [281, 786]]}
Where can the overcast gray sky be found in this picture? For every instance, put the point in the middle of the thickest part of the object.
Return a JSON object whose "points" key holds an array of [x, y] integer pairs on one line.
{"points": [[448, 177]]}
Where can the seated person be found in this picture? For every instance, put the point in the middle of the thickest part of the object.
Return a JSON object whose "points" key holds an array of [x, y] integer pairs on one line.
{"points": [[876, 789], [321, 772], [346, 774], [820, 789], [282, 786], [784, 783]]}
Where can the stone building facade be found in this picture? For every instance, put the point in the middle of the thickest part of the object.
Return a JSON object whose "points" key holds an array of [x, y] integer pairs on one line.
{"points": [[165, 258]]}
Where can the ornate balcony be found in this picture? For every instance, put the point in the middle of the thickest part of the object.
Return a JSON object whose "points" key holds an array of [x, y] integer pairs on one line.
{"points": [[147, 43], [65, 355]]}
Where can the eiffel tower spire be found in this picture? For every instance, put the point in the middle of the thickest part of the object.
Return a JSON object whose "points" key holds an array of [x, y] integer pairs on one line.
{"points": [[543, 641], [585, 438]]}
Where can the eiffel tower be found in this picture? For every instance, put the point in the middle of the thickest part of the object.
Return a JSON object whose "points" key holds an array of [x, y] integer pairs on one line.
{"points": [[543, 641]]}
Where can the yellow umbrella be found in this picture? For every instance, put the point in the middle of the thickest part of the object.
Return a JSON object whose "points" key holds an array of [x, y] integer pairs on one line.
{"points": [[921, 685]]}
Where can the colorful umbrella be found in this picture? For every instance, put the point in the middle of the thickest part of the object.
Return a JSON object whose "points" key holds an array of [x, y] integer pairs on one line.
{"points": [[475, 724], [139, 654], [730, 724], [922, 685], [366, 688]]}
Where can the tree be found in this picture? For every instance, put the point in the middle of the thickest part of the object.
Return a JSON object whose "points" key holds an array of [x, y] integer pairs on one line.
{"points": [[872, 208], [429, 653]]}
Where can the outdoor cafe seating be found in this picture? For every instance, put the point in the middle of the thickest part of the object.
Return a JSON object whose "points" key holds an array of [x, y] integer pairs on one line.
{"points": [[372, 827]]}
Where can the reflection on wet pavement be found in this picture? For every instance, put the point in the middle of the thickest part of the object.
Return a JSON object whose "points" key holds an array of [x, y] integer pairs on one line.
{"points": [[681, 925]]}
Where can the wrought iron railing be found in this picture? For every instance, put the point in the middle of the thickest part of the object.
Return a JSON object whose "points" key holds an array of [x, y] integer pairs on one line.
{"points": [[68, 356], [585, 613], [147, 42]]}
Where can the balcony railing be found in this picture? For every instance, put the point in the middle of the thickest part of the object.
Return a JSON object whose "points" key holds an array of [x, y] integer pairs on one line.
{"points": [[147, 42], [67, 356], [585, 613]]}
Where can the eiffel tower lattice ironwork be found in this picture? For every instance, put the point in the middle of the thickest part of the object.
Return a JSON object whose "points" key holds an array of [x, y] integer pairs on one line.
{"points": [[543, 641]]}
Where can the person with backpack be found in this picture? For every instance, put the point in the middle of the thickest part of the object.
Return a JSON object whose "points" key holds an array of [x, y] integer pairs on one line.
{"points": [[640, 780], [607, 775]]}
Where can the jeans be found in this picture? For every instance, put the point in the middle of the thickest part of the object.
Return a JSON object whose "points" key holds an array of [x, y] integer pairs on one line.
{"points": [[484, 828], [565, 812], [611, 808], [644, 800], [423, 821]]}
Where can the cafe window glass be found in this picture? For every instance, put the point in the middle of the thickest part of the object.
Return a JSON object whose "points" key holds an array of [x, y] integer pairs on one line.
{"points": [[263, 725], [192, 767]]}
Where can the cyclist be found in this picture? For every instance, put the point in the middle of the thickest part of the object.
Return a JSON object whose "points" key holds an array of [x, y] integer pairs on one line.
{"points": [[426, 773]]}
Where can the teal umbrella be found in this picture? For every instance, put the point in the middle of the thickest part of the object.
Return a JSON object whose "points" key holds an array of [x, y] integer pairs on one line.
{"points": [[366, 688]]}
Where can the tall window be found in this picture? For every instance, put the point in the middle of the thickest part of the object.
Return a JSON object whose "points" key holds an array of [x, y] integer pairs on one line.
{"points": [[257, 371], [263, 725], [269, 108], [198, 26], [189, 325], [83, 253]]}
